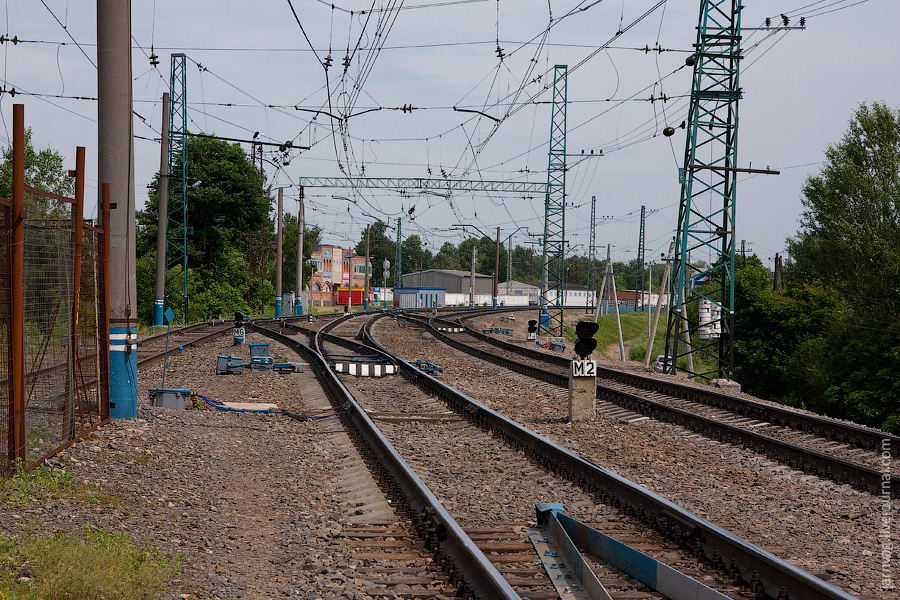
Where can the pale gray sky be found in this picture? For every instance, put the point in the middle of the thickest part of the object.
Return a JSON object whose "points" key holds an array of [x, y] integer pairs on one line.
{"points": [[800, 89]]}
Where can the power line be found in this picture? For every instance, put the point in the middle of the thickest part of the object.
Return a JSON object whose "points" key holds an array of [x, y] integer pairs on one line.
{"points": [[66, 29]]}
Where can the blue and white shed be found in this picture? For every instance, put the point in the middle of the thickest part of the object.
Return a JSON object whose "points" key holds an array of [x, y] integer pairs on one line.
{"points": [[419, 297]]}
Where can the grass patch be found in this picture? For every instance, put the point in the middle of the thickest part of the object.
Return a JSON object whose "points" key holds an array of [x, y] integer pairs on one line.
{"points": [[93, 563], [635, 330], [37, 485], [42, 485]]}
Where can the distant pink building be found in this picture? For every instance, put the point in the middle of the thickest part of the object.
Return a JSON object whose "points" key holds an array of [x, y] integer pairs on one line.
{"points": [[335, 267]]}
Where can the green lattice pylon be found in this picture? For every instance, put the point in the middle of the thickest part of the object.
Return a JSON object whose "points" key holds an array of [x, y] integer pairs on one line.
{"points": [[700, 326], [553, 274], [177, 208]]}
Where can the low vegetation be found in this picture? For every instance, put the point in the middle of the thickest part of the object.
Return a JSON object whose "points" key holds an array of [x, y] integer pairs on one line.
{"points": [[90, 563]]}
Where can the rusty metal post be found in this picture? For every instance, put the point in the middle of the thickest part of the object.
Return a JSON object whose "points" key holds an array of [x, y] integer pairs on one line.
{"points": [[68, 432], [17, 310], [103, 342]]}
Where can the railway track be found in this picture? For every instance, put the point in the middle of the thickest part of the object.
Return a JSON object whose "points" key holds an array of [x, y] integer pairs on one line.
{"points": [[834, 450], [682, 529], [485, 449], [409, 545], [153, 349]]}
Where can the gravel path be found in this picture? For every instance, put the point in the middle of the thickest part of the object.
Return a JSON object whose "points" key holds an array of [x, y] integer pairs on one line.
{"points": [[247, 500]]}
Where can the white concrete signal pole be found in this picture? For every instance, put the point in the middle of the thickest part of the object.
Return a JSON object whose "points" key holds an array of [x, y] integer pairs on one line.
{"points": [[116, 166]]}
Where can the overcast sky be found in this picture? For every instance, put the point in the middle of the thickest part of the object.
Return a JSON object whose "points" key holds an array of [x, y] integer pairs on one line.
{"points": [[251, 69]]}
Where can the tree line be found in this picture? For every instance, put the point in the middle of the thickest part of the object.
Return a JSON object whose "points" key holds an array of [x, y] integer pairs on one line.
{"points": [[826, 337]]}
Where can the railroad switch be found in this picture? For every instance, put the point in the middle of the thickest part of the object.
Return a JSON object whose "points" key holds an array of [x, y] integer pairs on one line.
{"points": [[428, 367]]}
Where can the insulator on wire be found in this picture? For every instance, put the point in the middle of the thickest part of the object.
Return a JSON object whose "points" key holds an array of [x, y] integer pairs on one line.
{"points": [[689, 61], [768, 21], [669, 131], [802, 21], [785, 19]]}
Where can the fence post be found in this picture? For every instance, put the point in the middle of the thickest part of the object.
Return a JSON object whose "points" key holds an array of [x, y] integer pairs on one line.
{"points": [[103, 342], [17, 309], [68, 432]]}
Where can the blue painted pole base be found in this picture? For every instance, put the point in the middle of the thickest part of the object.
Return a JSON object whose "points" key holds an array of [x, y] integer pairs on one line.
{"points": [[158, 305], [298, 308], [122, 372], [277, 307]]}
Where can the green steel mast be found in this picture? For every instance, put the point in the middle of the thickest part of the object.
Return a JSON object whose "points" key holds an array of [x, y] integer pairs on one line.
{"points": [[707, 209], [553, 274], [177, 210]]}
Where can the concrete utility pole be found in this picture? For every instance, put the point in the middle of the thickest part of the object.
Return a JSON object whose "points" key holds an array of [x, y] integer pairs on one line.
{"points": [[162, 218], [298, 303], [497, 267], [472, 276], [116, 166], [278, 255], [509, 268], [366, 291]]}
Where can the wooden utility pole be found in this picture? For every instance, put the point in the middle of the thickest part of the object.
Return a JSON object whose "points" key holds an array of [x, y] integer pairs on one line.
{"points": [[659, 301], [609, 276]]}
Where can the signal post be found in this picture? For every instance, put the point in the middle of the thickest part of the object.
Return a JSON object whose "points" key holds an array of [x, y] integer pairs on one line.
{"points": [[583, 374]]}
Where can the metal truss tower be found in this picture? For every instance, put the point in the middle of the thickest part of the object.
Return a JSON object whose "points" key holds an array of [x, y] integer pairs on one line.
{"points": [[177, 208], [641, 253], [591, 284], [553, 277], [398, 282], [707, 208]]}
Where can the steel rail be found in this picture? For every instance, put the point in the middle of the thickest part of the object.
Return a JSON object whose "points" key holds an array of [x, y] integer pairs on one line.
{"points": [[817, 463], [154, 358], [848, 433], [441, 533], [759, 569]]}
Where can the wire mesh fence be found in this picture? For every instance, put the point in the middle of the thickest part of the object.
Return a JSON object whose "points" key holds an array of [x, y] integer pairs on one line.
{"points": [[62, 345], [48, 297]]}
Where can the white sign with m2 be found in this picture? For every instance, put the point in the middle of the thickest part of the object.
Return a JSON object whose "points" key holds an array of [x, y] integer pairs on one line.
{"points": [[584, 368]]}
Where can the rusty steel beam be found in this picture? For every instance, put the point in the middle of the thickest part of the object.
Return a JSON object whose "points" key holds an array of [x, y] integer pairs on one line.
{"points": [[17, 329], [103, 341], [68, 425]]}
